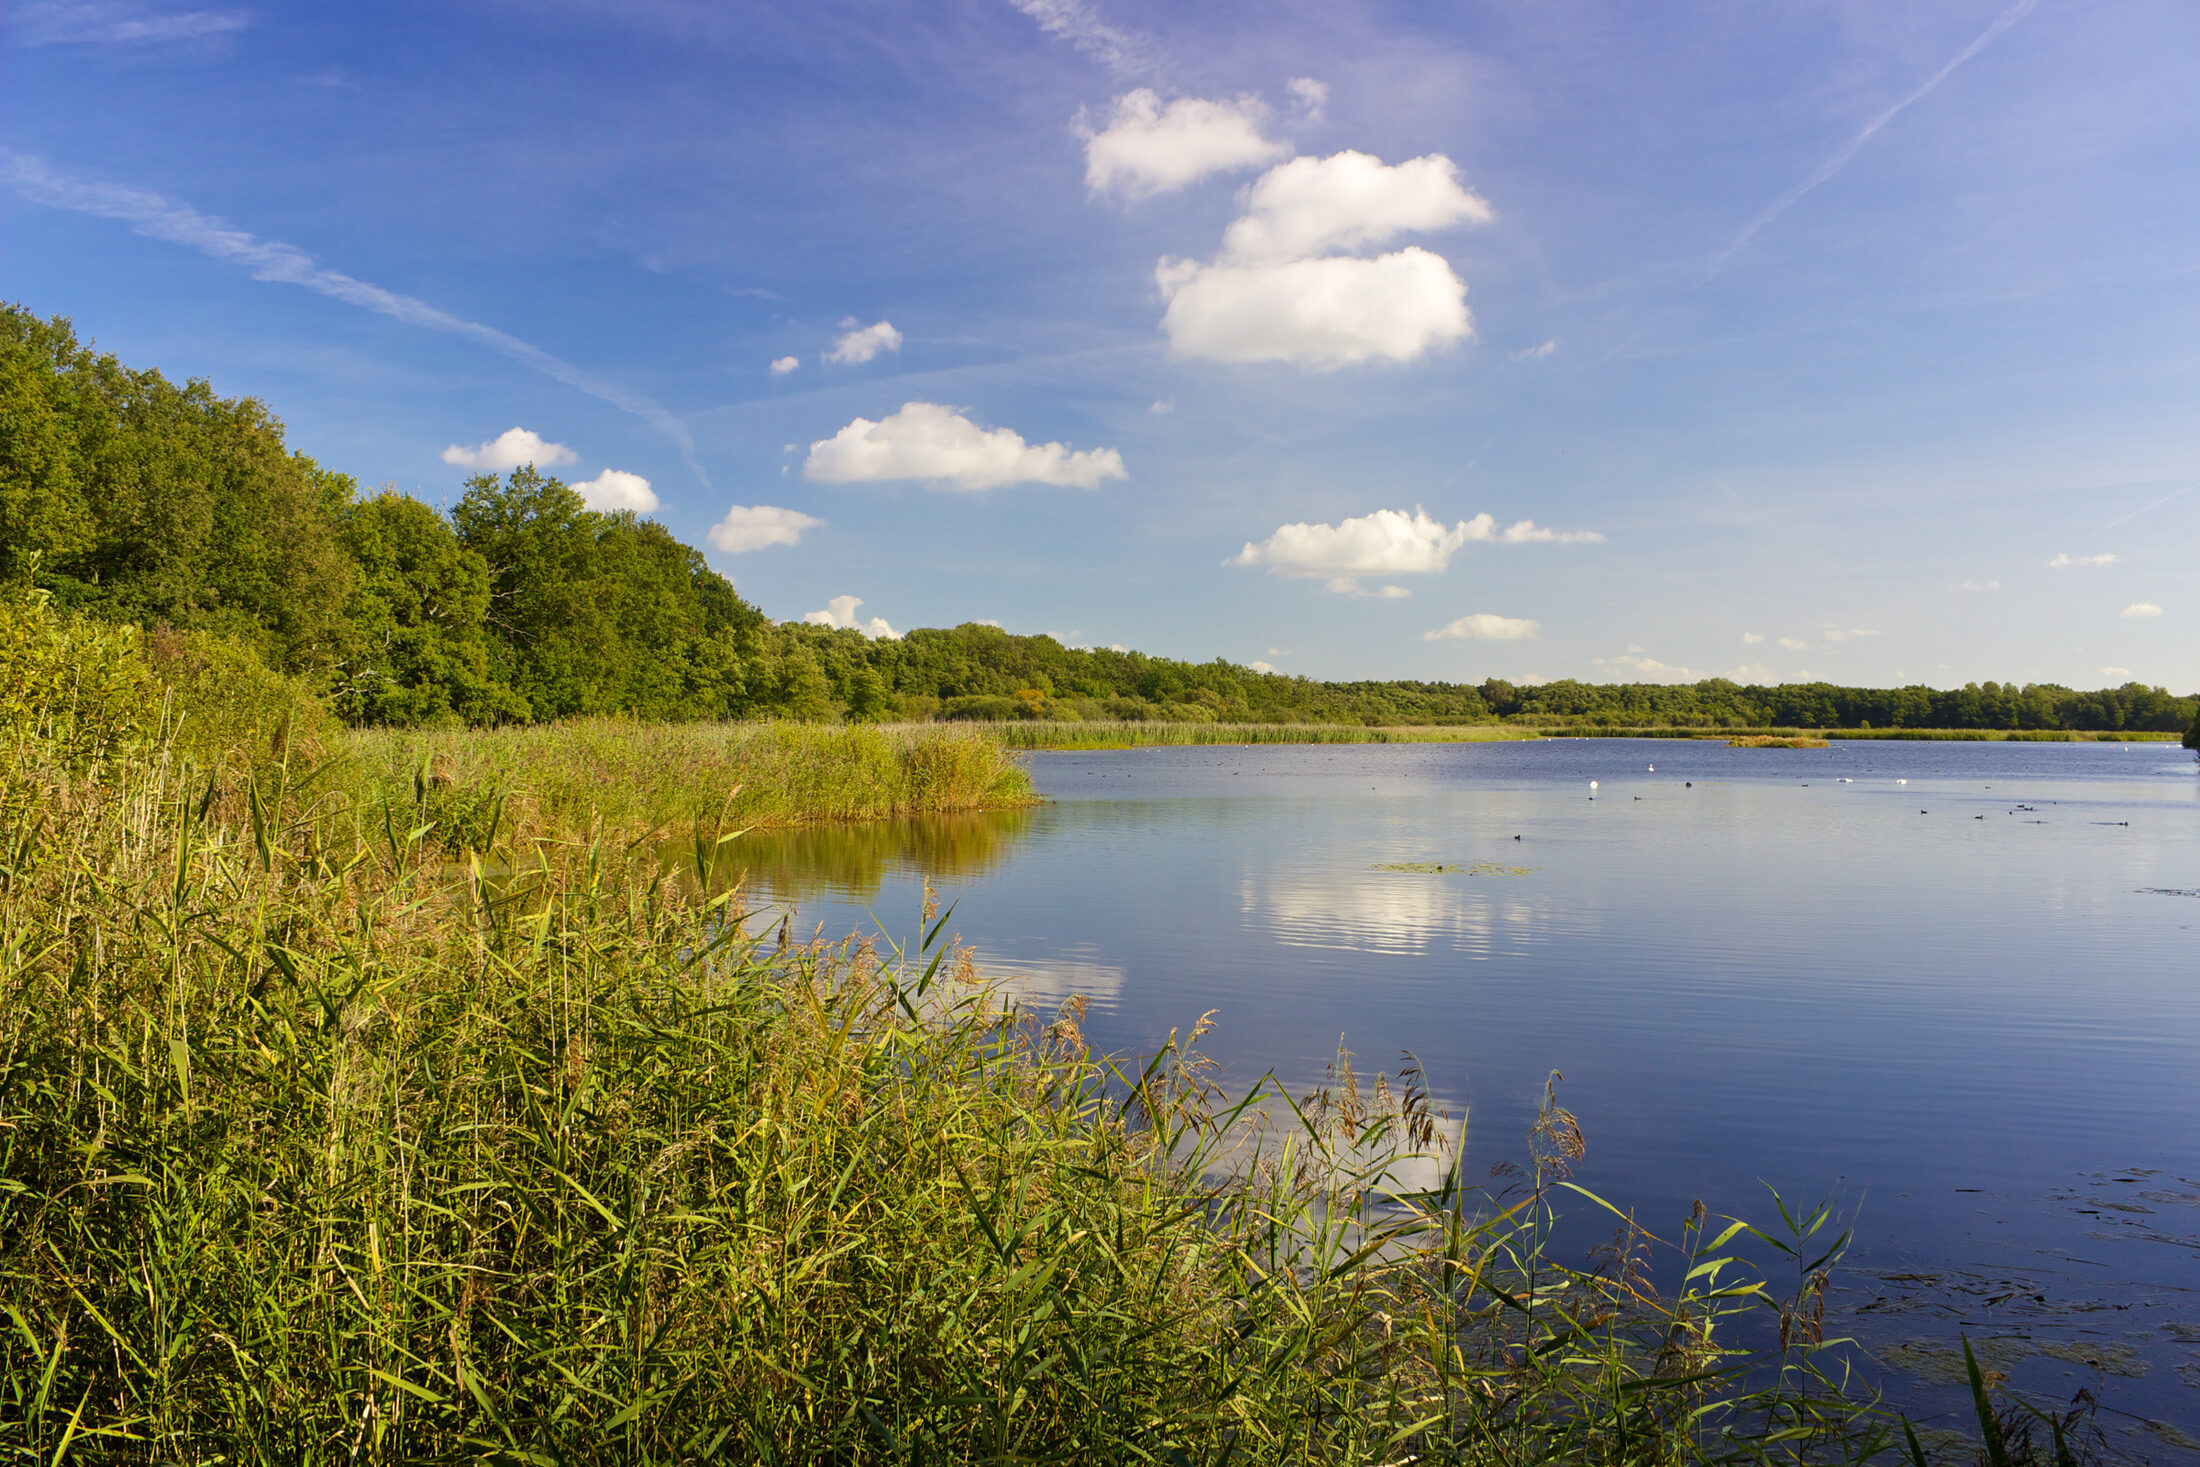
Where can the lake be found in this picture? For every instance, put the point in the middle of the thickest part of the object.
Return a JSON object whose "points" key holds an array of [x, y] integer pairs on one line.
{"points": [[1958, 983]]}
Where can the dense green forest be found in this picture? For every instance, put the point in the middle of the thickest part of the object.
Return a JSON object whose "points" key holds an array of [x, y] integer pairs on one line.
{"points": [[131, 499]]}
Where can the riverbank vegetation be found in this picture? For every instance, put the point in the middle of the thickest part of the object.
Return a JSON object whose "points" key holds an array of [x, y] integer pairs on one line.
{"points": [[137, 502], [316, 1146]]}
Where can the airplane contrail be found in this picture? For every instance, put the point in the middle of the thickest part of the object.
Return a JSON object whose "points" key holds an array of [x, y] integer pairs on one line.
{"points": [[161, 218], [1841, 158]]}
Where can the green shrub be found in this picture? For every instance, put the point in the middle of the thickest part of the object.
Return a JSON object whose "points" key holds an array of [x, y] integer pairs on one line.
{"points": [[73, 691], [227, 710]]}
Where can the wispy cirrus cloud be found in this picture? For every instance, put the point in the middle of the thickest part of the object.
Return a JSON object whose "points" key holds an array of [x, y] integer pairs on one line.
{"points": [[111, 23], [1124, 52], [157, 217], [1486, 626], [2066, 560]]}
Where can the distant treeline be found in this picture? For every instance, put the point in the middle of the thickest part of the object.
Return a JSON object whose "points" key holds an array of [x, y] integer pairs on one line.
{"points": [[134, 500]]}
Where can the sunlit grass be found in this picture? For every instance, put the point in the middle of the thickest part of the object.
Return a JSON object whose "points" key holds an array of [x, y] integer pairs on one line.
{"points": [[618, 776], [1100, 734]]}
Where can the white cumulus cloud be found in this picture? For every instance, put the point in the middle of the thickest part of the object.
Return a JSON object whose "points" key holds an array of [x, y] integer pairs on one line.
{"points": [[1311, 96], [1389, 542], [617, 489], [2140, 610], [512, 449], [1751, 639], [1323, 313], [1793, 644], [1348, 201], [2121, 672], [1839, 635], [841, 612], [1153, 147], [1259, 666], [1994, 585], [781, 366], [1537, 352], [1281, 291], [859, 344], [754, 527], [2062, 561], [1484, 626], [925, 440]]}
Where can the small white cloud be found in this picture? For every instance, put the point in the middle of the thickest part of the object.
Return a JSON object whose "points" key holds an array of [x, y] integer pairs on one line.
{"points": [[841, 612], [1978, 585], [862, 343], [1537, 352], [1648, 667], [1350, 586], [1348, 201], [617, 489], [1150, 147], [2117, 672], [1839, 635], [1323, 314], [1162, 408], [512, 449], [1528, 532], [1751, 639], [1793, 644], [1258, 666], [1753, 672], [1117, 647], [2140, 611], [781, 366], [1388, 542], [1532, 680], [1484, 627], [987, 621], [2064, 560], [927, 441], [1311, 97], [755, 527]]}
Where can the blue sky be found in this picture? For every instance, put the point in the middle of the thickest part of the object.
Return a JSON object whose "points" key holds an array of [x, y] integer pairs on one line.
{"points": [[1856, 341]]}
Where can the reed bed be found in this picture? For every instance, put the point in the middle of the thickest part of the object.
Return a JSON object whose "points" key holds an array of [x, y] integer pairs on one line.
{"points": [[1102, 734], [1922, 735], [621, 776], [317, 1148]]}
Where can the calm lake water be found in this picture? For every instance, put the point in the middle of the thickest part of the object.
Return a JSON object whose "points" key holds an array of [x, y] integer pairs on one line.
{"points": [[1969, 1002]]}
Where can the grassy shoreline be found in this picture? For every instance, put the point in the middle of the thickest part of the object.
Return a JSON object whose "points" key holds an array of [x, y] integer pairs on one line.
{"points": [[618, 776], [1098, 735]]}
